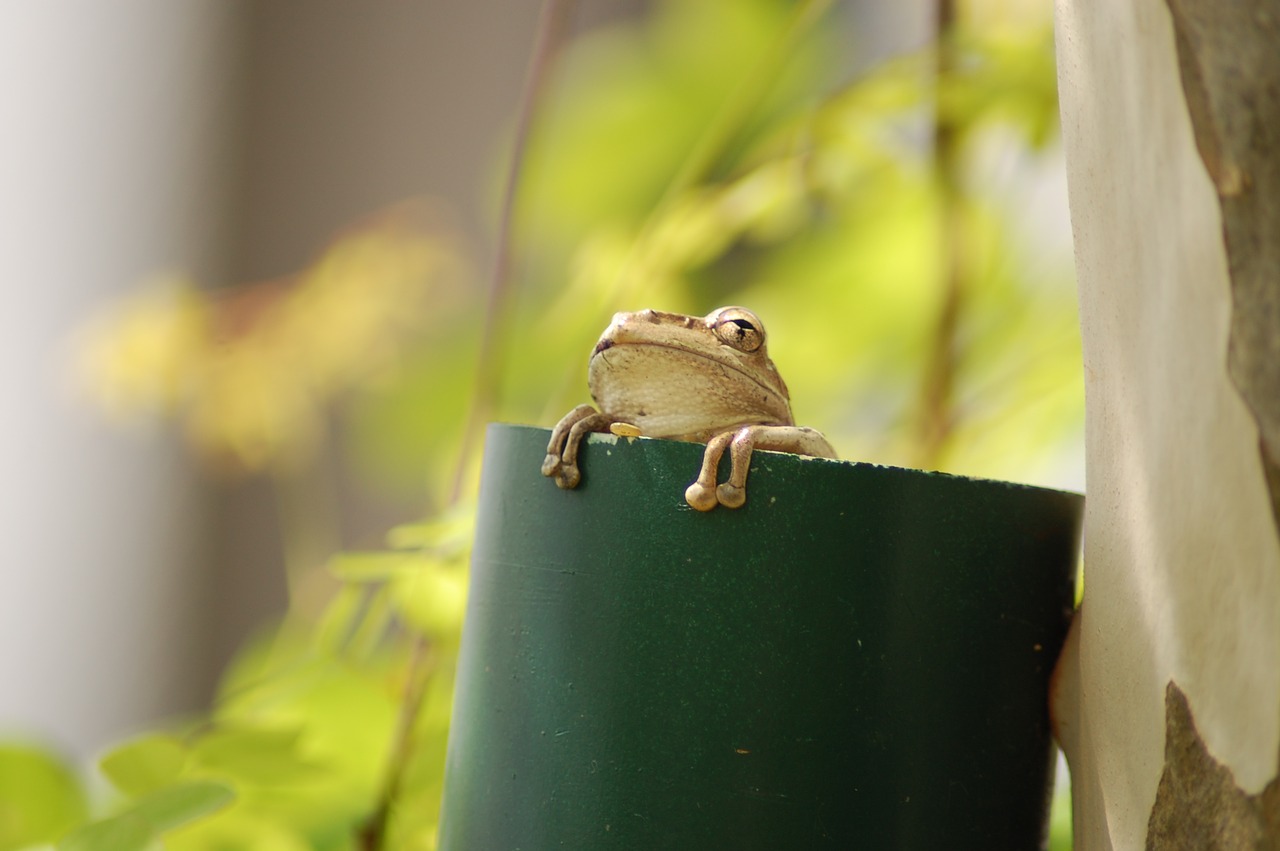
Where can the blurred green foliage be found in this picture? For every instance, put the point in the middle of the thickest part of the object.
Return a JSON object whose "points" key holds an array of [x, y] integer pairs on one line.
{"points": [[835, 209], [40, 797], [1060, 821]]}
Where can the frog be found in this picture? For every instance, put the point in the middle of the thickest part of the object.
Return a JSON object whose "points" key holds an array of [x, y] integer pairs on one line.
{"points": [[703, 379]]}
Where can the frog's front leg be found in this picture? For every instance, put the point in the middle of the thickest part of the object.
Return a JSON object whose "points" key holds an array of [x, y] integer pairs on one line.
{"points": [[561, 462], [704, 494]]}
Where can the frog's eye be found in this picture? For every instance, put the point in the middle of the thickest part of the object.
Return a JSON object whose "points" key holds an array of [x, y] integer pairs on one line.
{"points": [[738, 327]]}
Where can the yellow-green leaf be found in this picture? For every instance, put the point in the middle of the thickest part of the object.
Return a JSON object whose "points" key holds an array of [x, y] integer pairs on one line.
{"points": [[126, 832], [433, 601], [175, 806], [39, 797], [256, 755], [374, 566], [145, 764]]}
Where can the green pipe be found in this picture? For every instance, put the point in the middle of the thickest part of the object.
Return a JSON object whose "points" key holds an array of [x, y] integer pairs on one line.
{"points": [[857, 658]]}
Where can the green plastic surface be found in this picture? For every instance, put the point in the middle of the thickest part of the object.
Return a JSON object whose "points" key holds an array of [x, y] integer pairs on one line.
{"points": [[858, 658]]}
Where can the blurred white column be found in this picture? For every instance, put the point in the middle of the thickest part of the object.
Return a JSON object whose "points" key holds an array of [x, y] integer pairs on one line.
{"points": [[112, 151]]}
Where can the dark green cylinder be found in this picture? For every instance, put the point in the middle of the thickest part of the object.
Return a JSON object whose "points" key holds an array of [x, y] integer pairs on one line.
{"points": [[857, 658]]}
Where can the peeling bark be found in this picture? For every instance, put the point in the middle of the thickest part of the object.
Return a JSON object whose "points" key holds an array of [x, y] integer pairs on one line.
{"points": [[1175, 208], [1230, 68], [1198, 806]]}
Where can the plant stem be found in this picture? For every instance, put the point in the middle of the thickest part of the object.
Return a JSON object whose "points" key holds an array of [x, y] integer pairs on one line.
{"points": [[937, 394], [737, 110], [373, 834], [552, 24], [724, 128], [550, 35], [306, 510]]}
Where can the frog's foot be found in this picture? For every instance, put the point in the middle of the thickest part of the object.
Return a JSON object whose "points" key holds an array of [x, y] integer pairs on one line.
{"points": [[730, 495], [561, 462], [704, 494], [566, 476], [700, 497]]}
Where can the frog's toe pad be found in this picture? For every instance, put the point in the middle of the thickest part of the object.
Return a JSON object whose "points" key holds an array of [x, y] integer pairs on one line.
{"points": [[731, 496], [699, 497], [550, 465], [568, 476]]}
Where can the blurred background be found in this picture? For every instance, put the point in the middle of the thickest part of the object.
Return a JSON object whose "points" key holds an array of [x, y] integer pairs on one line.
{"points": [[249, 245]]}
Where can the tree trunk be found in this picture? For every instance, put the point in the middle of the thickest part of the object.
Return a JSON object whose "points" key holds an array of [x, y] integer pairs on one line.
{"points": [[1167, 700]]}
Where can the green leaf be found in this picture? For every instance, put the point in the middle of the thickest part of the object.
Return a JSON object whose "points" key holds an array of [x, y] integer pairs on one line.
{"points": [[175, 806], [410, 535], [40, 797], [346, 715], [339, 618], [432, 601], [126, 832], [375, 624], [374, 566], [145, 764], [138, 828], [257, 755], [242, 828], [446, 534]]}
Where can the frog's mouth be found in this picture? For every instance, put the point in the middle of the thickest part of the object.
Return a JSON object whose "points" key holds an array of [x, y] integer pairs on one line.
{"points": [[604, 345]]}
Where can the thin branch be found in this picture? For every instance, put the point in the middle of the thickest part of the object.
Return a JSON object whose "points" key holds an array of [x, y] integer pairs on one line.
{"points": [[373, 834], [936, 420], [550, 35], [552, 24], [724, 128]]}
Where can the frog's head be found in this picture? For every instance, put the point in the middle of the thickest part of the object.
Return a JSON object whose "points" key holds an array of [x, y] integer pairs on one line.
{"points": [[685, 376]]}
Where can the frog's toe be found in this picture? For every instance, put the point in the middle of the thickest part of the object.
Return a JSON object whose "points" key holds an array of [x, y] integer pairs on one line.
{"points": [[699, 497], [568, 476], [731, 496], [550, 464]]}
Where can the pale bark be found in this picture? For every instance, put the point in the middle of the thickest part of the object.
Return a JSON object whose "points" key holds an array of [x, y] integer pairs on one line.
{"points": [[1171, 680]]}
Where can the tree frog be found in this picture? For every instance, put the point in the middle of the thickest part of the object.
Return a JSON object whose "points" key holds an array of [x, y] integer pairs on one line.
{"points": [[695, 378]]}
